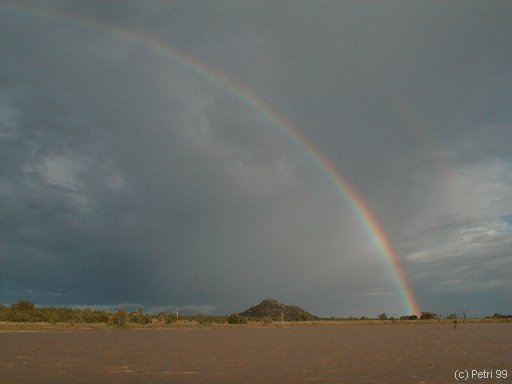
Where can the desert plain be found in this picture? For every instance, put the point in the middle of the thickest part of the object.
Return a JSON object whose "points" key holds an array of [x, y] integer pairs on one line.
{"points": [[370, 353]]}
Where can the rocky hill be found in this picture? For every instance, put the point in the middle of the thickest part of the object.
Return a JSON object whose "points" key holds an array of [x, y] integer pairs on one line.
{"points": [[278, 311]]}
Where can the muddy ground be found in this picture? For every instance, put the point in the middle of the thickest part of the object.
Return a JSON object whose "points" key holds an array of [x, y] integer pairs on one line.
{"points": [[417, 353]]}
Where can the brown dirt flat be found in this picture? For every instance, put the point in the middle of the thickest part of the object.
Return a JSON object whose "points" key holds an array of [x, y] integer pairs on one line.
{"points": [[322, 354]]}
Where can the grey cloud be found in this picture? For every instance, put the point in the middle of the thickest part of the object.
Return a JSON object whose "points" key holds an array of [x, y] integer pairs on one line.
{"points": [[129, 178]]}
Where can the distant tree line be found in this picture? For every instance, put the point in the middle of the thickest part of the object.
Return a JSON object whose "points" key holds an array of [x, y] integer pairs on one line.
{"points": [[26, 311], [500, 316], [423, 316]]}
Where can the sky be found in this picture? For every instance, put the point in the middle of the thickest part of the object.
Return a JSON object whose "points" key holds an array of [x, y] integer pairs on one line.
{"points": [[149, 154]]}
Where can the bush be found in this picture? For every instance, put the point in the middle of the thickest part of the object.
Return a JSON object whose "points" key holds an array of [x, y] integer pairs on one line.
{"points": [[501, 316], [23, 306], [428, 316], [235, 318], [267, 320], [22, 311], [119, 318], [382, 316], [20, 317], [3, 312]]}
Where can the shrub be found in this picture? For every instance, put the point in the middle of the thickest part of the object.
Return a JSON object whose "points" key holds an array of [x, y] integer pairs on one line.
{"points": [[119, 318], [23, 311], [428, 316], [235, 318], [23, 306], [501, 316], [267, 320]]}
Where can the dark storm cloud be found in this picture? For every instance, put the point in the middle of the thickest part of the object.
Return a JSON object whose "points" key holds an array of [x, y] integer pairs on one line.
{"points": [[127, 178]]}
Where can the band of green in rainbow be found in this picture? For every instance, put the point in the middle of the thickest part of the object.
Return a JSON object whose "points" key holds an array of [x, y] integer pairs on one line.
{"points": [[343, 187]]}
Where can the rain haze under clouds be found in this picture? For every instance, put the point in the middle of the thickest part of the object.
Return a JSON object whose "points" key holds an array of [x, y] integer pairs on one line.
{"points": [[127, 177]]}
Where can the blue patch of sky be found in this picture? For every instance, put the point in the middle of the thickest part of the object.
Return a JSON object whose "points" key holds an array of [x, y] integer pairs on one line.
{"points": [[507, 219]]}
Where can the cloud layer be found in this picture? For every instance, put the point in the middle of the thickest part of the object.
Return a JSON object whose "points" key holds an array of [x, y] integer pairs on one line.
{"points": [[128, 177]]}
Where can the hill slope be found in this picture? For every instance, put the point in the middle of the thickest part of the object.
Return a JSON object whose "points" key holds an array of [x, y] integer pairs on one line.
{"points": [[278, 311]]}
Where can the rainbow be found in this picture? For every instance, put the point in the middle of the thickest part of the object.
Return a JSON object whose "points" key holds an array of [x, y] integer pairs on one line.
{"points": [[343, 188]]}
